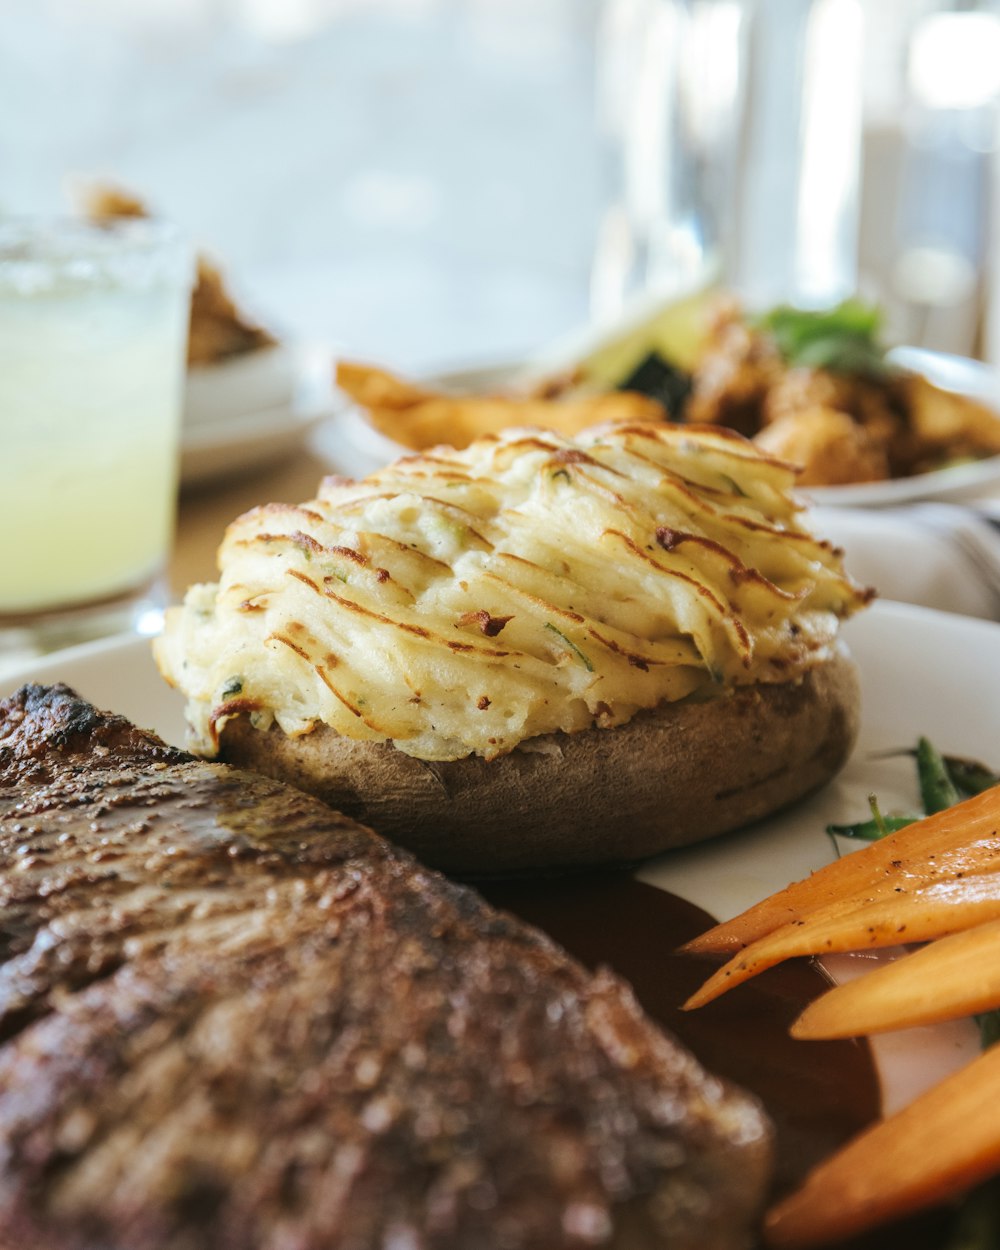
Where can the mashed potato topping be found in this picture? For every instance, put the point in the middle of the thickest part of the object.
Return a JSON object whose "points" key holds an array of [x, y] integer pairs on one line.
{"points": [[464, 602]]}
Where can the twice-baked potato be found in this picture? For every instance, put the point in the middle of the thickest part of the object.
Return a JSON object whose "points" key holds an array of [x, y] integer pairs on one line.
{"points": [[533, 652], [676, 774]]}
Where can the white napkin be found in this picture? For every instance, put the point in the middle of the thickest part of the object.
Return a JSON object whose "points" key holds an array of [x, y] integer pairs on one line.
{"points": [[935, 555]]}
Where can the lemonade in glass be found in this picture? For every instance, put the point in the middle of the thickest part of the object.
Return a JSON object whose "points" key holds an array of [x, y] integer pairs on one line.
{"points": [[93, 325]]}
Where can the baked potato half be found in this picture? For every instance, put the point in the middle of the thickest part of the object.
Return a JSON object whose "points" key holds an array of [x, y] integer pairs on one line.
{"points": [[535, 652], [671, 776]]}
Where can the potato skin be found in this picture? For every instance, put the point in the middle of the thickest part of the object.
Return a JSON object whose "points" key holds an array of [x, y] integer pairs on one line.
{"points": [[669, 777]]}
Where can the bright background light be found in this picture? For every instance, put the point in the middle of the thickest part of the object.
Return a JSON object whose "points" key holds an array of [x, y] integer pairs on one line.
{"points": [[955, 60], [428, 182]]}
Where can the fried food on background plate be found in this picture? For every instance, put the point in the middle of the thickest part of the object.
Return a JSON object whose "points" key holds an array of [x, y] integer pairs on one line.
{"points": [[828, 444], [816, 388], [420, 417]]}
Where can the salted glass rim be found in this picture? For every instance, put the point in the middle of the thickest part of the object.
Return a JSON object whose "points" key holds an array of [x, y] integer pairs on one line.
{"points": [[46, 255]]}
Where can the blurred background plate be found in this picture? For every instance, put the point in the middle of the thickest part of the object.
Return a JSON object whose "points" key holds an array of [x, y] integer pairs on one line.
{"points": [[974, 480], [251, 382], [253, 410], [239, 444]]}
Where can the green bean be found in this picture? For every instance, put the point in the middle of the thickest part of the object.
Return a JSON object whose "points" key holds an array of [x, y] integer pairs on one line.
{"points": [[989, 1028], [944, 780], [870, 830], [969, 776], [937, 790], [977, 1222]]}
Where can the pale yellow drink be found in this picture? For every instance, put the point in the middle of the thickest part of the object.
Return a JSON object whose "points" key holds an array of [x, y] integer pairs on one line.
{"points": [[91, 370]]}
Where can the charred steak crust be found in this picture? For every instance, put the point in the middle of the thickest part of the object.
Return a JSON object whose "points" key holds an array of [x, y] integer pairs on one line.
{"points": [[231, 1018]]}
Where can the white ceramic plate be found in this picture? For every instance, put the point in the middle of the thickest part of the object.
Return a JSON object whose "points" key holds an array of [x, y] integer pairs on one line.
{"points": [[227, 448], [252, 381], [357, 448], [922, 672], [252, 411]]}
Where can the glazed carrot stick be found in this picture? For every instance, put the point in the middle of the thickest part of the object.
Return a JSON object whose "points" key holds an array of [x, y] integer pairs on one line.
{"points": [[959, 839], [957, 976], [917, 915], [942, 1144]]}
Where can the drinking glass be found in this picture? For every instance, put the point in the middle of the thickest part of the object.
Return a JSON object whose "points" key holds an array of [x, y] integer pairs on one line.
{"points": [[93, 327], [732, 130]]}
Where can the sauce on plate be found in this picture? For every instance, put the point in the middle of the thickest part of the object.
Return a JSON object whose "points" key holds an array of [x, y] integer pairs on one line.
{"points": [[818, 1094]]}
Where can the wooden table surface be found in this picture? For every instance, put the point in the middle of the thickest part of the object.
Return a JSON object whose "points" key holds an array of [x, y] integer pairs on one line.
{"points": [[205, 511]]}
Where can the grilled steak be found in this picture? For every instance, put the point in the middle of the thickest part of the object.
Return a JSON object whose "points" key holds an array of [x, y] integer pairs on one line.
{"points": [[232, 1019]]}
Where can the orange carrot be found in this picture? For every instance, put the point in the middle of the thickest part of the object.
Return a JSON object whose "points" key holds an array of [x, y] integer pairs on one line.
{"points": [[942, 1144], [916, 915], [957, 976], [963, 838]]}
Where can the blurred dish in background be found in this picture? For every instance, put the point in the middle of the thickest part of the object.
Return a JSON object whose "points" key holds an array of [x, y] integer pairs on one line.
{"points": [[956, 376], [817, 389], [234, 365], [592, 361], [219, 331], [248, 397]]}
